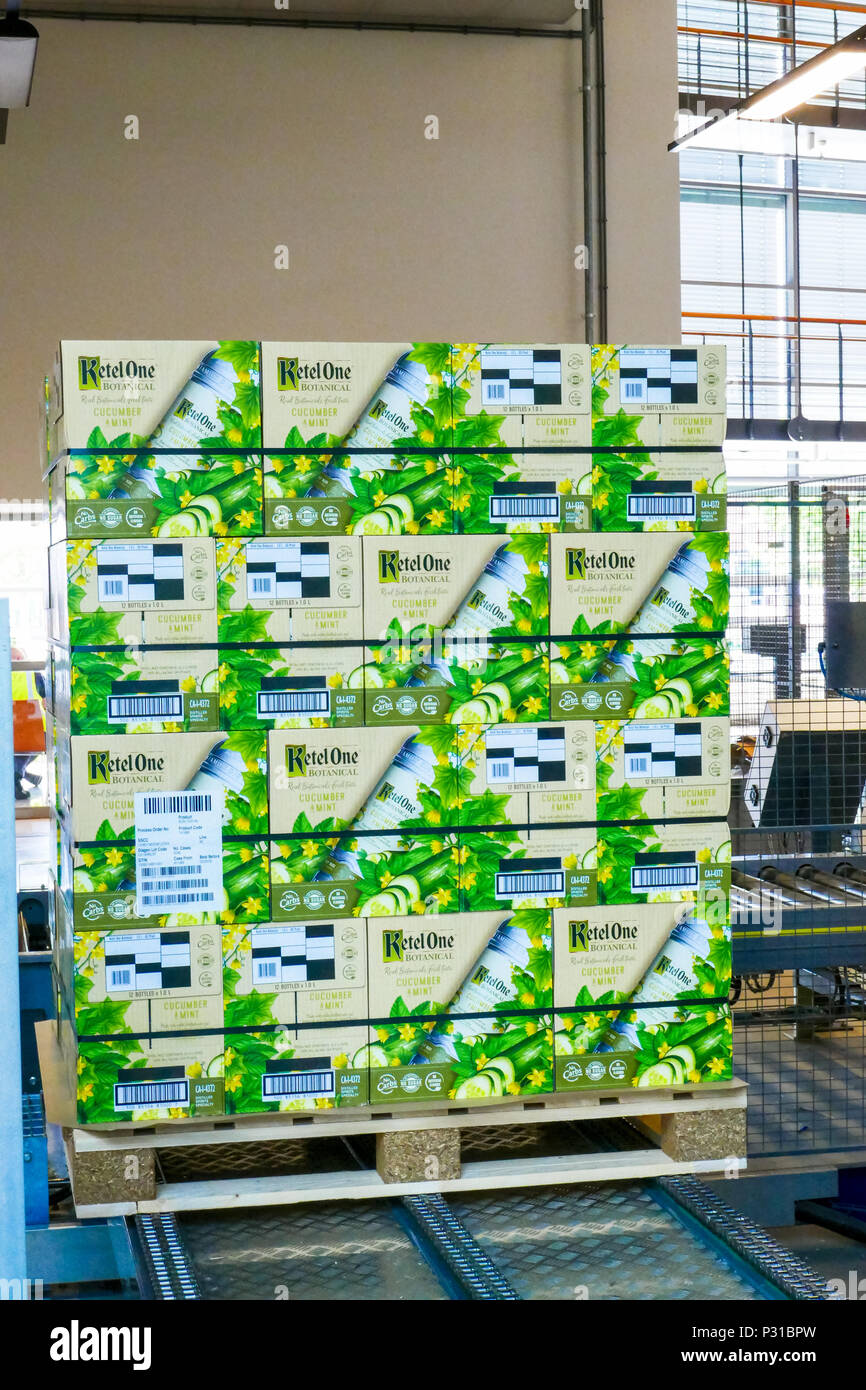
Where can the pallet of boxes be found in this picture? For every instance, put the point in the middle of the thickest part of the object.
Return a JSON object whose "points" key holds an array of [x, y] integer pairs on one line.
{"points": [[389, 703]]}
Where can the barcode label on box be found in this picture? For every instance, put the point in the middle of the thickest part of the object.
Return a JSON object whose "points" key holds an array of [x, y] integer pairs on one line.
{"points": [[178, 844], [646, 877], [529, 883], [278, 1085], [137, 1095], [274, 702], [679, 505], [519, 507], [123, 708]]}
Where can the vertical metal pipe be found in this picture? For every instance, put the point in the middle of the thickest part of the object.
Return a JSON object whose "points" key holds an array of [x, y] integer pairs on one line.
{"points": [[13, 1263], [794, 653], [594, 192]]}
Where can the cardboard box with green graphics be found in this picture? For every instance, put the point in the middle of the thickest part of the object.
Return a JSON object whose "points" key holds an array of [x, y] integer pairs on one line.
{"points": [[163, 396], [139, 495], [305, 985], [363, 822], [652, 588], [136, 690], [296, 687], [658, 426], [460, 1007], [518, 408], [290, 591], [148, 1023], [354, 436], [515, 869], [640, 995], [544, 774], [168, 828], [119, 593], [450, 624], [640, 678], [676, 862]]}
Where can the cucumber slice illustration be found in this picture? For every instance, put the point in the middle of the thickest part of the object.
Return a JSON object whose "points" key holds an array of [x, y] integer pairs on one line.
{"points": [[720, 484], [403, 504], [655, 707], [472, 712], [386, 904], [562, 1045], [75, 490], [659, 1074], [681, 687], [378, 523], [190, 919], [496, 1078], [371, 1055], [559, 673], [209, 504], [210, 682], [504, 1065], [81, 881], [272, 486], [181, 524], [280, 871], [500, 692], [476, 1087], [685, 1055]]}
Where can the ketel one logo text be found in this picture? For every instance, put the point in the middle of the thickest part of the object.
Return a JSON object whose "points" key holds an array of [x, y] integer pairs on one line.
{"points": [[581, 936], [291, 371], [301, 760], [93, 372], [393, 567], [396, 942], [578, 562], [101, 765]]}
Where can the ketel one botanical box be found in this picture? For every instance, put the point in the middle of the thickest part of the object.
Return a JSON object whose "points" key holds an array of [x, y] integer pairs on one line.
{"points": [[545, 774], [460, 1007], [166, 828], [364, 822], [297, 687], [483, 588], [305, 987], [651, 587], [162, 396], [148, 1019], [640, 679], [516, 869], [138, 495], [659, 418], [136, 690], [675, 862], [354, 434], [289, 590], [640, 995], [114, 593]]}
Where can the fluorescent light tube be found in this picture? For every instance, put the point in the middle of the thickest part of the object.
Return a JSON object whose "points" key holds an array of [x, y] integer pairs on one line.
{"points": [[18, 42], [819, 74]]}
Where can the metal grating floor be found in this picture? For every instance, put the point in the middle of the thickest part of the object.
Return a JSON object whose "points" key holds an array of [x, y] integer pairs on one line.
{"points": [[600, 1242], [345, 1251]]}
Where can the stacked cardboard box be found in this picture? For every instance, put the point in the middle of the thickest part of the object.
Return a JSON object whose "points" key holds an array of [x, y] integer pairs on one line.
{"points": [[390, 701]]}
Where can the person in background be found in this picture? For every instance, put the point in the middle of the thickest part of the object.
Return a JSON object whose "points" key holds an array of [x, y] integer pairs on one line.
{"points": [[28, 687]]}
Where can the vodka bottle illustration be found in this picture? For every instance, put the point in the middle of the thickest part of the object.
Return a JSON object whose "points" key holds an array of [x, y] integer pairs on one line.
{"points": [[386, 418], [671, 974], [393, 801], [489, 983], [222, 771], [194, 414]]}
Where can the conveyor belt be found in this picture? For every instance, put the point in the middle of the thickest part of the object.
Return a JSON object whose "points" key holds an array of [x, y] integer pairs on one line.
{"points": [[667, 1240]]}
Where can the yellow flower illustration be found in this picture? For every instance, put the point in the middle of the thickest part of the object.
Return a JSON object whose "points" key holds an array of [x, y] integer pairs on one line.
{"points": [[536, 1077]]}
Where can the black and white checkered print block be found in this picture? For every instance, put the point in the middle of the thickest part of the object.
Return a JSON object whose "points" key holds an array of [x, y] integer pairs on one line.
{"points": [[288, 570], [138, 573], [301, 954], [525, 754], [147, 960], [658, 376], [663, 750], [521, 377]]}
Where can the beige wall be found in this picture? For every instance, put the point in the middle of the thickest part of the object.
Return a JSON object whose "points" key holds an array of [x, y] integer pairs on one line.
{"points": [[253, 138]]}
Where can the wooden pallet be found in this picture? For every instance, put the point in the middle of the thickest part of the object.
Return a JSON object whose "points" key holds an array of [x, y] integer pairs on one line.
{"points": [[699, 1129]]}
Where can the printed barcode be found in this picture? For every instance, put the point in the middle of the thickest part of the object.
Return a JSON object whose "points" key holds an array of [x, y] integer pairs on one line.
{"points": [[265, 969], [169, 871], [298, 1084], [636, 765], [261, 583], [150, 1093], [170, 805], [509, 885], [523, 506], [673, 504], [169, 899], [633, 388], [674, 876], [144, 706], [292, 702], [495, 390], [112, 586], [498, 771], [119, 978], [178, 884]]}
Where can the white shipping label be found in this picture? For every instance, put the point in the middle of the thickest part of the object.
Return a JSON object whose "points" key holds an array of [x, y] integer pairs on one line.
{"points": [[178, 851]]}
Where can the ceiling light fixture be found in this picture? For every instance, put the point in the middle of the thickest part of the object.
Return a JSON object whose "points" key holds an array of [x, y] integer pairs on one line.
{"points": [[821, 73]]}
